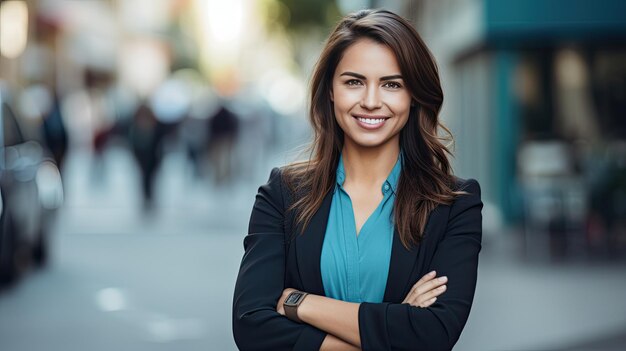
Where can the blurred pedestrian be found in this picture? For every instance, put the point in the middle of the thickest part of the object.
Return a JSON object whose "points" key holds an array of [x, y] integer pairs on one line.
{"points": [[223, 130], [54, 131], [145, 137]]}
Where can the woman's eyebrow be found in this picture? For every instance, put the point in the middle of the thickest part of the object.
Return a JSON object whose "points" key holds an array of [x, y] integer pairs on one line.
{"points": [[360, 76], [352, 74], [395, 76]]}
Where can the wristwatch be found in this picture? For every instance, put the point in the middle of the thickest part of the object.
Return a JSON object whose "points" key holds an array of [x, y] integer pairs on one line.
{"points": [[291, 305]]}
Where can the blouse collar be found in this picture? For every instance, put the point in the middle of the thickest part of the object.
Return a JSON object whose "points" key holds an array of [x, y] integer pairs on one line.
{"points": [[391, 183]]}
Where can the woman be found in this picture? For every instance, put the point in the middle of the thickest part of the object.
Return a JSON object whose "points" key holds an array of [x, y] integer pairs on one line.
{"points": [[372, 243]]}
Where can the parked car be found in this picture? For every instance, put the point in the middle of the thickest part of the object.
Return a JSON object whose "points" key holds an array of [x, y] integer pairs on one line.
{"points": [[30, 191]]}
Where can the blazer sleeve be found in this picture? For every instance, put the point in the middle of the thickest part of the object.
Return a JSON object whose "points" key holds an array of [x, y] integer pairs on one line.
{"points": [[390, 326], [260, 283]]}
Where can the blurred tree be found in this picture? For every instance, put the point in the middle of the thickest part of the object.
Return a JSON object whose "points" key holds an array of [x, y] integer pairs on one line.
{"points": [[307, 13]]}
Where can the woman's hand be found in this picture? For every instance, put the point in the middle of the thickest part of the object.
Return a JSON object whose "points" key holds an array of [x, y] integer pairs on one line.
{"points": [[424, 293], [279, 305]]}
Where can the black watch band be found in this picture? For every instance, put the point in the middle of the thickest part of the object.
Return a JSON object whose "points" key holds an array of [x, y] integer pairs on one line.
{"points": [[291, 305]]}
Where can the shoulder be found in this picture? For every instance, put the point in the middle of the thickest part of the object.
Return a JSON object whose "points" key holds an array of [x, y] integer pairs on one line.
{"points": [[470, 185], [470, 196], [272, 190], [275, 175], [274, 184], [280, 184], [292, 180], [278, 178]]}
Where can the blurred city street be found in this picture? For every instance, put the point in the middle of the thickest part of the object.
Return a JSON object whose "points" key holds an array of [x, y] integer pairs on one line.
{"points": [[120, 281], [134, 135]]}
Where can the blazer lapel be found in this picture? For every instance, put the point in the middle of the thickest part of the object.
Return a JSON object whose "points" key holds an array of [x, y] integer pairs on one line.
{"points": [[309, 249], [404, 263], [400, 268]]}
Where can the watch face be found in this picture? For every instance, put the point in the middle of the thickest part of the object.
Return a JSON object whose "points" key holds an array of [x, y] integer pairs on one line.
{"points": [[293, 298]]}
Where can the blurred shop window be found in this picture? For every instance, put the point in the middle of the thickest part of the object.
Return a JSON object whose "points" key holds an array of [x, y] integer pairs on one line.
{"points": [[609, 91], [554, 198], [572, 158], [534, 91], [576, 115]]}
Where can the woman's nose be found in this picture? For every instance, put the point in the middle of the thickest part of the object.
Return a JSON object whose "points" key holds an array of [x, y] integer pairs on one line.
{"points": [[371, 98]]}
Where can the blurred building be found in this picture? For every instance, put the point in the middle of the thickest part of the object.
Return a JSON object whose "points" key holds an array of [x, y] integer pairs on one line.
{"points": [[535, 94]]}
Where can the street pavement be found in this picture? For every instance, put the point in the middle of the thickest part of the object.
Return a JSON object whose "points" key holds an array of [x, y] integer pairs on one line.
{"points": [[121, 279]]}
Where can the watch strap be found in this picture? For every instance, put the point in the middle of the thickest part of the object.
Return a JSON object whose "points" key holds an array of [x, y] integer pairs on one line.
{"points": [[291, 311]]}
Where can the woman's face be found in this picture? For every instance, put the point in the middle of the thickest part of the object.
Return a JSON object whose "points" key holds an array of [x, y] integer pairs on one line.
{"points": [[371, 101]]}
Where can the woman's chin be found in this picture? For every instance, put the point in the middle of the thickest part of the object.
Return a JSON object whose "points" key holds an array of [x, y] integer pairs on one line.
{"points": [[369, 142]]}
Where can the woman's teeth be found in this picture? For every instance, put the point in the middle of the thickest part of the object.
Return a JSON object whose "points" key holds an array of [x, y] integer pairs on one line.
{"points": [[371, 120]]}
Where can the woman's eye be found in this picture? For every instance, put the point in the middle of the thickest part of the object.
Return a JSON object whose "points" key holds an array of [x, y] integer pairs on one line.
{"points": [[392, 85], [353, 82]]}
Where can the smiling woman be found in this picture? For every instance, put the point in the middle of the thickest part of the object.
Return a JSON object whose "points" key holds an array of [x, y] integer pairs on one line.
{"points": [[372, 243]]}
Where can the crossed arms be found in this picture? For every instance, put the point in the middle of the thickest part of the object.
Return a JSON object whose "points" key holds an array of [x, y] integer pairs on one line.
{"points": [[333, 324]]}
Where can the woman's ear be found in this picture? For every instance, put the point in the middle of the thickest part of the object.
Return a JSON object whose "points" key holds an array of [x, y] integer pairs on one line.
{"points": [[331, 95]]}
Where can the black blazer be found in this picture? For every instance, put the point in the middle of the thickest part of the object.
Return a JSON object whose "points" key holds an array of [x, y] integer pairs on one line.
{"points": [[274, 260]]}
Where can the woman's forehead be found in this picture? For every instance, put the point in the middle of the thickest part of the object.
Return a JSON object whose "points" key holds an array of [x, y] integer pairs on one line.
{"points": [[369, 58]]}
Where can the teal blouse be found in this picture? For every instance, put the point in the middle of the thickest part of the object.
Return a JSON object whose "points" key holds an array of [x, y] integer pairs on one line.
{"points": [[355, 268]]}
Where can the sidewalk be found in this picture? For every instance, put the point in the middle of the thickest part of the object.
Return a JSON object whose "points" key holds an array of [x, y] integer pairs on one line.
{"points": [[542, 306]]}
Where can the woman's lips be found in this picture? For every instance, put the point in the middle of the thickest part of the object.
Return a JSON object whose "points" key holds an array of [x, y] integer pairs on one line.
{"points": [[370, 123]]}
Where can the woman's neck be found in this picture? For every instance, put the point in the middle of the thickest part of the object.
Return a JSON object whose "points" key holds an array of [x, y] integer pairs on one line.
{"points": [[369, 166]]}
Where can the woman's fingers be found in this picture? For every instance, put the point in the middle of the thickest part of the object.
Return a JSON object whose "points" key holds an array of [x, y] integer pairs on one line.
{"points": [[433, 293], [431, 284], [429, 302], [425, 291], [426, 278], [427, 298], [428, 285]]}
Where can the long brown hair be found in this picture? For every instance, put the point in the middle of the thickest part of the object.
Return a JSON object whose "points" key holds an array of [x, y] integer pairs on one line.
{"points": [[426, 178]]}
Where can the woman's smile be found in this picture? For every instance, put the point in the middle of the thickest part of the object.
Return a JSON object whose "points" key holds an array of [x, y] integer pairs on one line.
{"points": [[370, 122]]}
